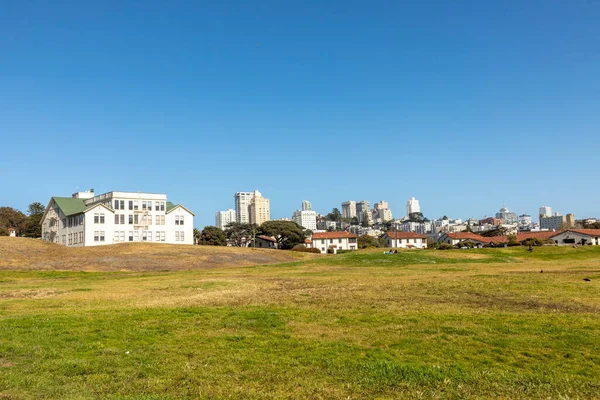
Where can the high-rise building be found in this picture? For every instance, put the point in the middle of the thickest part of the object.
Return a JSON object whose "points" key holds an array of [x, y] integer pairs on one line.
{"points": [[545, 211], [508, 216], [260, 209], [557, 222], [242, 206], [306, 219], [363, 212], [382, 212], [412, 206], [349, 209], [223, 218], [306, 206], [381, 205]]}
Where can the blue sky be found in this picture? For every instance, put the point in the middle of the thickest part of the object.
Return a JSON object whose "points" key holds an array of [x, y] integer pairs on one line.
{"points": [[466, 105]]}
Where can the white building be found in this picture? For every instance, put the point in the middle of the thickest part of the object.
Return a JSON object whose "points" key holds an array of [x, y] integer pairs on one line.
{"points": [[223, 218], [114, 217], [579, 237], [306, 206], [242, 206], [412, 206], [508, 216], [557, 222], [333, 241], [545, 211], [349, 209], [405, 240], [306, 219]]}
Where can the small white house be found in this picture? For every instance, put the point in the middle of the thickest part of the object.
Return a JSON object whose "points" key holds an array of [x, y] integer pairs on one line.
{"points": [[333, 241], [12, 232], [581, 237], [405, 240]]}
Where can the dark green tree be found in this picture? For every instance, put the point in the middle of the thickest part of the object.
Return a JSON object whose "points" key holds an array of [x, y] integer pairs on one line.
{"points": [[366, 241], [212, 236], [33, 227], [334, 215], [11, 218], [286, 233], [240, 234], [416, 217]]}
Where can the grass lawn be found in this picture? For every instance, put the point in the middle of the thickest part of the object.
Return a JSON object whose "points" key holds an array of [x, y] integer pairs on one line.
{"points": [[418, 324]]}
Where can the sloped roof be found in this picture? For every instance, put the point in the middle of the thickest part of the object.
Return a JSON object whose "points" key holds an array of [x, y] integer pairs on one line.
{"points": [[589, 232], [171, 207], [465, 235], [333, 235], [70, 205], [405, 235], [267, 238]]}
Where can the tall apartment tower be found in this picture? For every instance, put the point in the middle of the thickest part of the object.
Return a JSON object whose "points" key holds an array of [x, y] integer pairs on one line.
{"points": [[412, 206], [363, 212], [242, 206], [306, 206], [545, 211], [260, 209], [223, 218], [349, 209]]}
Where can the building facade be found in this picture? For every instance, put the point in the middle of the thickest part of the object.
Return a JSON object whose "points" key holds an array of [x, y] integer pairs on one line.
{"points": [[260, 209], [306, 206], [508, 216], [557, 222], [85, 219], [412, 206], [545, 211], [306, 219], [349, 209], [242, 206], [405, 240], [363, 212], [333, 241], [223, 218]]}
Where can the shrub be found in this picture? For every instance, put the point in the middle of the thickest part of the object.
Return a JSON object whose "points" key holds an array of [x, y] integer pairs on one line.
{"points": [[303, 249], [445, 246]]}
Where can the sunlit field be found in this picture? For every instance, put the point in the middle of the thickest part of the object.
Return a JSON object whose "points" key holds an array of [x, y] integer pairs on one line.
{"points": [[168, 322]]}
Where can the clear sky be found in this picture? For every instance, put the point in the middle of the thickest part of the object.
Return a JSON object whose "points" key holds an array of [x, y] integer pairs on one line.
{"points": [[466, 105]]}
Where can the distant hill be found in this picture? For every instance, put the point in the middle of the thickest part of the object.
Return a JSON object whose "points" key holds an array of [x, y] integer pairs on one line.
{"points": [[34, 254]]}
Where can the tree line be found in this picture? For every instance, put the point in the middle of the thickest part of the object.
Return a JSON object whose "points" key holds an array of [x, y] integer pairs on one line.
{"points": [[287, 234], [25, 225]]}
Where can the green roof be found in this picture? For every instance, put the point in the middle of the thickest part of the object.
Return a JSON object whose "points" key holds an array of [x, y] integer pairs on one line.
{"points": [[70, 205], [170, 206]]}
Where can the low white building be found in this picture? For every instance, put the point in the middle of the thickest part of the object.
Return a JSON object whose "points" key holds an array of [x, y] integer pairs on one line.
{"points": [[12, 232], [333, 241], [114, 217], [405, 240], [580, 237]]}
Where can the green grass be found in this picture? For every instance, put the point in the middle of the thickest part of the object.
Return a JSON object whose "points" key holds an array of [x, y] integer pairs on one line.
{"points": [[418, 324]]}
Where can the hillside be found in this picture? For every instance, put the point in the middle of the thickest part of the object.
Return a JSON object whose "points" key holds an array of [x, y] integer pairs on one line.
{"points": [[31, 254]]}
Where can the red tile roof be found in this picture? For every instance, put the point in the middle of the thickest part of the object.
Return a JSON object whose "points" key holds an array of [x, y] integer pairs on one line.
{"points": [[405, 235], [589, 232], [465, 236], [542, 235], [333, 235]]}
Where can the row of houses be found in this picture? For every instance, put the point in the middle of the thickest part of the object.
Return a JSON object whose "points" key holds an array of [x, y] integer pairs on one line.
{"points": [[334, 241]]}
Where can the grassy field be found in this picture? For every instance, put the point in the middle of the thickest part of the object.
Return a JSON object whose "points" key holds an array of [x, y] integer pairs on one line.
{"points": [[418, 324]]}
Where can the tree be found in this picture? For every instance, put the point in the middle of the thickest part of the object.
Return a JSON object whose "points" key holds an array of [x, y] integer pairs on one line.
{"points": [[32, 227], [334, 215], [286, 233], [416, 217], [212, 236], [240, 234], [366, 241], [11, 218], [499, 231]]}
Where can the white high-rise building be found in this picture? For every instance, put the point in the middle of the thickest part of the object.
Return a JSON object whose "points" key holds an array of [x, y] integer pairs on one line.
{"points": [[242, 206], [223, 218], [306, 219], [363, 212], [412, 206], [349, 209], [545, 211], [85, 219], [306, 206]]}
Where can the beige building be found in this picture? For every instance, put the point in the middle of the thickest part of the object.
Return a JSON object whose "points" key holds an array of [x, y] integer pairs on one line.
{"points": [[557, 222], [260, 209]]}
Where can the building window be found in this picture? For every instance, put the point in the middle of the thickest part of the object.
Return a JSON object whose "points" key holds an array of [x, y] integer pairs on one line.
{"points": [[144, 236], [177, 236], [136, 236], [179, 220], [122, 238], [339, 240], [181, 236], [102, 236], [96, 218], [144, 205], [162, 206], [117, 219], [130, 236], [157, 206], [130, 219], [70, 239], [149, 236], [330, 240], [101, 218], [157, 237], [131, 204], [80, 237], [116, 236], [135, 205], [64, 240], [149, 205], [122, 219], [148, 219], [136, 219], [116, 207], [162, 236], [96, 236]]}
